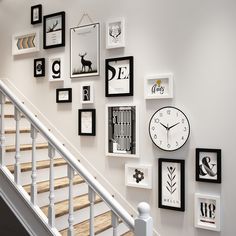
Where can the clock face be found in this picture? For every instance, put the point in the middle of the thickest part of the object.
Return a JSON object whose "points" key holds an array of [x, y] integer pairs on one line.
{"points": [[169, 128]]}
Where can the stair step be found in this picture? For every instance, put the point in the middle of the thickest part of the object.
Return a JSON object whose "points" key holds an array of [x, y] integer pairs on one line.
{"points": [[80, 202], [11, 116], [13, 131], [40, 165], [128, 234], [26, 147], [59, 183]]}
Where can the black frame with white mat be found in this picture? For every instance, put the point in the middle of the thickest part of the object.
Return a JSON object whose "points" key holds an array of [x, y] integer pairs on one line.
{"points": [[39, 67]]}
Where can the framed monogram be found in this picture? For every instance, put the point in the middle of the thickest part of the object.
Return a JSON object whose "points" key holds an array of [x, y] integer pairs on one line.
{"points": [[86, 92]]}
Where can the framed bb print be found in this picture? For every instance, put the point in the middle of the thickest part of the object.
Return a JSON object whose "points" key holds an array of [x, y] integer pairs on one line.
{"points": [[171, 184], [85, 50], [36, 14], [55, 69], [64, 95], [86, 92], [208, 165], [54, 30], [39, 67], [87, 122], [119, 77]]}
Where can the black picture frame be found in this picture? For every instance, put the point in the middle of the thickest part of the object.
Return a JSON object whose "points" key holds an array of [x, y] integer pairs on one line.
{"points": [[36, 14], [54, 30], [170, 197], [64, 95], [39, 67], [87, 122], [119, 76], [208, 165]]}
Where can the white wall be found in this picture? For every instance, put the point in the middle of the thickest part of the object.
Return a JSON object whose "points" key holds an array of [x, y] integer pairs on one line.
{"points": [[193, 39]]}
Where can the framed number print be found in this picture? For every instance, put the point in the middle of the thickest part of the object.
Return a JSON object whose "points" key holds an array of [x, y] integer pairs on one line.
{"points": [[207, 212], [115, 33], [55, 69], [122, 131], [208, 165], [85, 50], [54, 30], [171, 184], [39, 67], [36, 14], [64, 95], [87, 122], [119, 77], [86, 92]]}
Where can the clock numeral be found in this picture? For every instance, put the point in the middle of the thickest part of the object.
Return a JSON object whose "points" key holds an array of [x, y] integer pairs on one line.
{"points": [[168, 112], [177, 144], [185, 129], [177, 114], [155, 136], [160, 142], [153, 127], [183, 120], [156, 120], [182, 138], [168, 145], [161, 114]]}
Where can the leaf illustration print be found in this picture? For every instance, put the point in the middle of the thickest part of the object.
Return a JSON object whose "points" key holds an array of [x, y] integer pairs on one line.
{"points": [[171, 180]]}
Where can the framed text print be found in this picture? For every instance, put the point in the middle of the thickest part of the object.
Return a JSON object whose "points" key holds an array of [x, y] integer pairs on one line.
{"points": [[55, 69], [115, 33], [122, 130], [86, 92], [208, 165], [87, 122], [119, 77], [171, 184], [207, 212], [36, 14], [64, 95], [158, 86], [85, 50], [39, 67], [54, 30]]}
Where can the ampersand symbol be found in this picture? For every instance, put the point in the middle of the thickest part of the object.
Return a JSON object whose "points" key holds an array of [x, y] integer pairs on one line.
{"points": [[205, 168]]}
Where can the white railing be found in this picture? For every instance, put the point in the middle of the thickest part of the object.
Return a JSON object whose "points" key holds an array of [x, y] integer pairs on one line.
{"points": [[142, 226]]}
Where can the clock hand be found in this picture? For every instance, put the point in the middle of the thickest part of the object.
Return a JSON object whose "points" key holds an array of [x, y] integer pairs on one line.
{"points": [[164, 126], [173, 126]]}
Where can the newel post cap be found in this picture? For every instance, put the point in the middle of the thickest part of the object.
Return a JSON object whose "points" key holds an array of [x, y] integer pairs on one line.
{"points": [[143, 210]]}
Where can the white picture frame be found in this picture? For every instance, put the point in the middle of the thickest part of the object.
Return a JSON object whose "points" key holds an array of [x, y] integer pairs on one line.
{"points": [[56, 71], [158, 86], [207, 212], [87, 93], [25, 42], [121, 130], [138, 175], [115, 33]]}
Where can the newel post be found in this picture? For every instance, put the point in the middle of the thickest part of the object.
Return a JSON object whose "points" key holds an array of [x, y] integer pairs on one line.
{"points": [[143, 224]]}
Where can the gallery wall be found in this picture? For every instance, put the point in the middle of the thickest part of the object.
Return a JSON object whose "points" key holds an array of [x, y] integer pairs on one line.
{"points": [[194, 40]]}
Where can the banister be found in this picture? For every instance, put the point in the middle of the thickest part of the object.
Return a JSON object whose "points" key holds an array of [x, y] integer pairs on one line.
{"points": [[83, 172]]}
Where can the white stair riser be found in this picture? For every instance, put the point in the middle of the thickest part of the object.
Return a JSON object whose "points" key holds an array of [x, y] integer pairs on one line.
{"points": [[81, 215], [11, 123], [122, 228], [9, 109]]}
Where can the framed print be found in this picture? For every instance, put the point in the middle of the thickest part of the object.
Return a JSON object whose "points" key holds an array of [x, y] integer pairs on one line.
{"points": [[85, 50], [27, 42], [87, 122], [138, 175], [158, 86], [207, 212], [54, 30], [115, 33], [36, 14], [119, 77], [86, 92], [64, 95], [171, 184], [55, 69], [208, 165], [122, 131], [39, 67]]}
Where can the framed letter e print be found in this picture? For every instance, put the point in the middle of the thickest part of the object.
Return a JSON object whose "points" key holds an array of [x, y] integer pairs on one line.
{"points": [[87, 122]]}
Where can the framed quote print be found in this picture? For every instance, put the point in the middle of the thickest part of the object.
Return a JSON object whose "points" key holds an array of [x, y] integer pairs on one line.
{"points": [[87, 122], [171, 184], [39, 67], [119, 76], [208, 165], [55, 69], [86, 92], [36, 14], [64, 95]]}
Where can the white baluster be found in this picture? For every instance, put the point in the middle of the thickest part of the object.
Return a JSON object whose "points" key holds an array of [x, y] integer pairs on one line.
{"points": [[2, 132], [51, 207], [115, 223], [92, 197], [71, 205], [17, 170], [33, 194]]}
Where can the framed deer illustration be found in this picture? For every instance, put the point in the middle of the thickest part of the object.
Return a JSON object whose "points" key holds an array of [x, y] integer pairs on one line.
{"points": [[85, 50]]}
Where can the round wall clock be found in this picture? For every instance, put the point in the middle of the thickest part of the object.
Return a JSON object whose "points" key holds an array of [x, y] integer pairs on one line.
{"points": [[169, 128]]}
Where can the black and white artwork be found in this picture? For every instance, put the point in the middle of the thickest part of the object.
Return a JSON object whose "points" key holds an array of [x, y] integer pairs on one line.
{"points": [[86, 92], [171, 184], [87, 122], [36, 14], [64, 95], [55, 69], [208, 165], [85, 50], [39, 67]]}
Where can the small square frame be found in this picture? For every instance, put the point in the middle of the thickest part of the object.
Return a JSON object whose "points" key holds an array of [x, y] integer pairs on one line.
{"points": [[64, 95], [208, 165], [158, 86], [119, 76], [115, 33], [138, 175], [207, 212], [86, 93], [171, 184], [39, 67], [55, 68], [36, 14], [87, 122]]}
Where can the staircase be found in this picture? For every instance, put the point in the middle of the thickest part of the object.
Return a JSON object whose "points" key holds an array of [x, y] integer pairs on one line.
{"points": [[54, 181]]}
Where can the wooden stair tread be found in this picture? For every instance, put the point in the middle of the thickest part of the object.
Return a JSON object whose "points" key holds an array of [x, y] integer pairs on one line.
{"points": [[26, 147], [13, 131], [61, 208], [39, 165], [59, 183], [129, 233], [11, 116]]}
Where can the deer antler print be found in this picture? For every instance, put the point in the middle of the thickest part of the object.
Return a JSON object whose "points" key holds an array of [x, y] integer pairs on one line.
{"points": [[51, 29], [171, 180]]}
